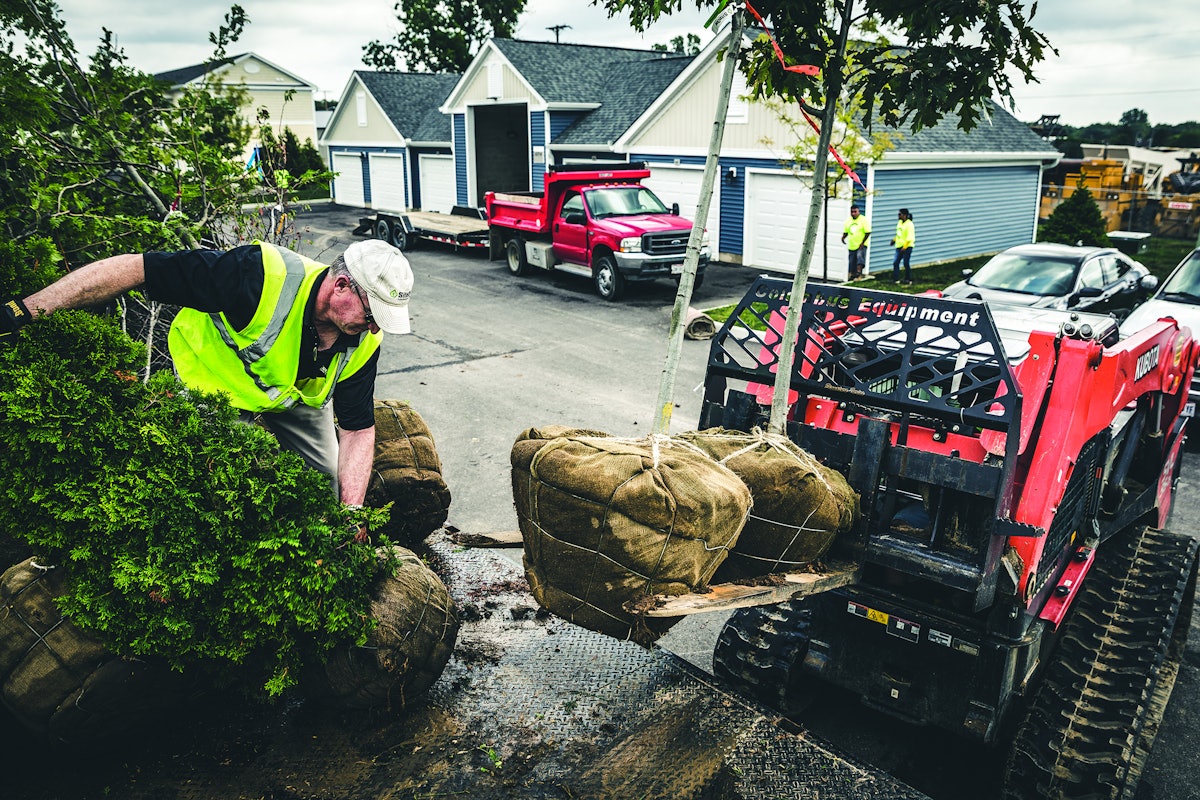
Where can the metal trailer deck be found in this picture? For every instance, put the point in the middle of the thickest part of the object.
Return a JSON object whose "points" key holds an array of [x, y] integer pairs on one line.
{"points": [[528, 707], [462, 227]]}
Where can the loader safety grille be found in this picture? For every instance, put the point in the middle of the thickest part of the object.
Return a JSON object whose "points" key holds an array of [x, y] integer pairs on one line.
{"points": [[933, 357], [1078, 503]]}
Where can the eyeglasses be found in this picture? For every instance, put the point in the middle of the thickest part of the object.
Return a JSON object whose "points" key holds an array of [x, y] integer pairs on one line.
{"points": [[366, 308]]}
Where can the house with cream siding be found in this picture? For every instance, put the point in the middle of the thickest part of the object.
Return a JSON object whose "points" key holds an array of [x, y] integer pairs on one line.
{"points": [[267, 85], [389, 144], [522, 107]]}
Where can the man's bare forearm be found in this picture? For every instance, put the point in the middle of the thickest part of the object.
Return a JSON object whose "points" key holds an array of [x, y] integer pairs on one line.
{"points": [[90, 285]]}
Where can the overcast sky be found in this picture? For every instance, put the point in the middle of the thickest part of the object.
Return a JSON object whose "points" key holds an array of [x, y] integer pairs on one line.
{"points": [[1113, 55]]}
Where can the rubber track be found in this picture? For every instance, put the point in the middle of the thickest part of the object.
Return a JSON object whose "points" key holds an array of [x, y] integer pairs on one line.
{"points": [[1093, 721], [760, 647]]}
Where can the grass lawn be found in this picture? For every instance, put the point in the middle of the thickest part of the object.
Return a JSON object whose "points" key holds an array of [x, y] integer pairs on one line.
{"points": [[1160, 256]]}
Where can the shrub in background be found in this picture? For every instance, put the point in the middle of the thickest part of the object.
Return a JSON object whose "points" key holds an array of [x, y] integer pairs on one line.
{"points": [[1077, 220]]}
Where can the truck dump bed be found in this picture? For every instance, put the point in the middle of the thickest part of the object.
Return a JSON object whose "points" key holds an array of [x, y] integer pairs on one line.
{"points": [[529, 707]]}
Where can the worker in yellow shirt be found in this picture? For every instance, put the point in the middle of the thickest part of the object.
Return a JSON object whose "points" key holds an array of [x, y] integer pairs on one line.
{"points": [[906, 237], [855, 233]]}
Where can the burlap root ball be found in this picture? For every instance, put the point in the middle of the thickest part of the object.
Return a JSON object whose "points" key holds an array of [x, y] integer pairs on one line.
{"points": [[63, 684], [607, 521], [407, 473], [407, 651], [800, 505]]}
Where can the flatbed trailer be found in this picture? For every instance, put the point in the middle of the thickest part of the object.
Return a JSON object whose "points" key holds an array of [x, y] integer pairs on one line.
{"points": [[462, 227]]}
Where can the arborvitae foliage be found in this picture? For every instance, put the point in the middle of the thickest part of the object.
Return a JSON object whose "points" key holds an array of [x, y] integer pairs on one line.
{"points": [[1077, 220], [184, 534]]}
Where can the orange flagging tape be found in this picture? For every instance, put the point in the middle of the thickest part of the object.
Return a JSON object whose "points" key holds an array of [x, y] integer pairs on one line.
{"points": [[803, 69]]}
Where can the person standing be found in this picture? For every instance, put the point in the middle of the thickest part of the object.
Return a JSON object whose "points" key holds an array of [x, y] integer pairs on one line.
{"points": [[294, 343], [906, 237], [855, 233]]}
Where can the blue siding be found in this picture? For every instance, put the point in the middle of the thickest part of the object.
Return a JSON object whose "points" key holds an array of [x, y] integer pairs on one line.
{"points": [[957, 212], [733, 195], [561, 120], [537, 138], [460, 157]]}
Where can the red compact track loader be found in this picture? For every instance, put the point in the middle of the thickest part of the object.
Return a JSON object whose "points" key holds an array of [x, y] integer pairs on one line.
{"points": [[1009, 578]]}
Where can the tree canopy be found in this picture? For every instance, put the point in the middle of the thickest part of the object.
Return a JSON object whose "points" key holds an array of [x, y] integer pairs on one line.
{"points": [[442, 35]]}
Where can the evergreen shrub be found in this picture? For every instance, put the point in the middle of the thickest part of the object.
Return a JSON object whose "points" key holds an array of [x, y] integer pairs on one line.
{"points": [[186, 535]]}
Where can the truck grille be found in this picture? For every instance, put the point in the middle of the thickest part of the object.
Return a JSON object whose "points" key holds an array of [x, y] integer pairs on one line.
{"points": [[665, 244]]}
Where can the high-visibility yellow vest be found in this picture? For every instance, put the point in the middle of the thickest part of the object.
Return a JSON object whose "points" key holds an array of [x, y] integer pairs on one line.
{"points": [[258, 365]]}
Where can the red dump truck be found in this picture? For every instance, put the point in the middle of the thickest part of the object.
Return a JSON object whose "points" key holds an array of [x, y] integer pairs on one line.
{"points": [[598, 222]]}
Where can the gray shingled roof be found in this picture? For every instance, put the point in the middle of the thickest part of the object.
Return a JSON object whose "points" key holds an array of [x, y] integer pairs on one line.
{"points": [[178, 77], [411, 100], [622, 80], [999, 133]]}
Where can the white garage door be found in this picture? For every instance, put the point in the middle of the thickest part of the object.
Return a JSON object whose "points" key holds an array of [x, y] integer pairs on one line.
{"points": [[776, 214], [348, 185], [682, 185], [387, 182], [438, 190]]}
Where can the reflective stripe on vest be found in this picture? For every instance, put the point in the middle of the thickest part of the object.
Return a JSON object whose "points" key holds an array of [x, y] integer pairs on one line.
{"points": [[257, 366]]}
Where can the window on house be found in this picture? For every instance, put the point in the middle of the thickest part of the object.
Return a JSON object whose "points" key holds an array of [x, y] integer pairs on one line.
{"points": [[495, 81]]}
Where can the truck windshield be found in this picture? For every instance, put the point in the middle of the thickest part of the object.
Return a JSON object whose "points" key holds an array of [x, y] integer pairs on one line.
{"points": [[620, 201]]}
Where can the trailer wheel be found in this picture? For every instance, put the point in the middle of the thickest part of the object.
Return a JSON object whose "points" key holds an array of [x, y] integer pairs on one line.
{"points": [[401, 239], [609, 283], [383, 230], [514, 251]]}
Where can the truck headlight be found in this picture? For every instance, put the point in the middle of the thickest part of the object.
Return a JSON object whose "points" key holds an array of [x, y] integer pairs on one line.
{"points": [[631, 245]]}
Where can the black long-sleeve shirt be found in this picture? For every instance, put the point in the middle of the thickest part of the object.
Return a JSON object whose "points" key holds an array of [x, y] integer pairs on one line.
{"points": [[231, 282]]}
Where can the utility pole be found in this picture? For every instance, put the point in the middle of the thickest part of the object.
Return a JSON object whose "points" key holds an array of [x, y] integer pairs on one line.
{"points": [[556, 29]]}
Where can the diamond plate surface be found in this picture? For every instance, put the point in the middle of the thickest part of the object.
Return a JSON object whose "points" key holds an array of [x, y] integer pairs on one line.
{"points": [[575, 714]]}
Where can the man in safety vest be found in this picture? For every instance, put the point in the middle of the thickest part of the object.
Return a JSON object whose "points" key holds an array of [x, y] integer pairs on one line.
{"points": [[294, 343], [855, 233]]}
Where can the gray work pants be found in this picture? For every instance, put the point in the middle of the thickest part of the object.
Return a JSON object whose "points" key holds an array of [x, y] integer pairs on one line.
{"points": [[306, 431]]}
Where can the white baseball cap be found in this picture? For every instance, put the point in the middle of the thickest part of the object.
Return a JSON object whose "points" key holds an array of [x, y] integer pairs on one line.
{"points": [[383, 272]]}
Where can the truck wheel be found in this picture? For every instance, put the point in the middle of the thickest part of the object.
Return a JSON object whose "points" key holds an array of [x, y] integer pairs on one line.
{"points": [[609, 283], [383, 230], [514, 251]]}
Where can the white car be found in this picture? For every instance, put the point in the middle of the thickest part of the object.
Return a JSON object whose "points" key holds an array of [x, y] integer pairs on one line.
{"points": [[1178, 298]]}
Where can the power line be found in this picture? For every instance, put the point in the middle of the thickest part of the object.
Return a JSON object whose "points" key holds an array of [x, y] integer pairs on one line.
{"points": [[1112, 94]]}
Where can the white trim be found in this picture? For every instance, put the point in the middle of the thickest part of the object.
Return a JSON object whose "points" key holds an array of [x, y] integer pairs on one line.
{"points": [[244, 57], [585, 148], [454, 105], [362, 143], [894, 160], [677, 88]]}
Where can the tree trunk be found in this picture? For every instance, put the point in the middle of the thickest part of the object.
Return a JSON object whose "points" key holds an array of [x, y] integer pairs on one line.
{"points": [[787, 347], [683, 298]]}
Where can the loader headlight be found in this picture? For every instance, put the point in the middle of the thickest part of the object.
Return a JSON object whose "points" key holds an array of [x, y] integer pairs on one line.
{"points": [[631, 245]]}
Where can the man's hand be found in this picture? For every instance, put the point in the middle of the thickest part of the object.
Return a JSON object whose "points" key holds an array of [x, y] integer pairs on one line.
{"points": [[13, 316]]}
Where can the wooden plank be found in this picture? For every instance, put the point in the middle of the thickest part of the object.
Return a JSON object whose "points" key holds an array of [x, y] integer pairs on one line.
{"points": [[445, 223], [497, 539], [774, 588]]}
